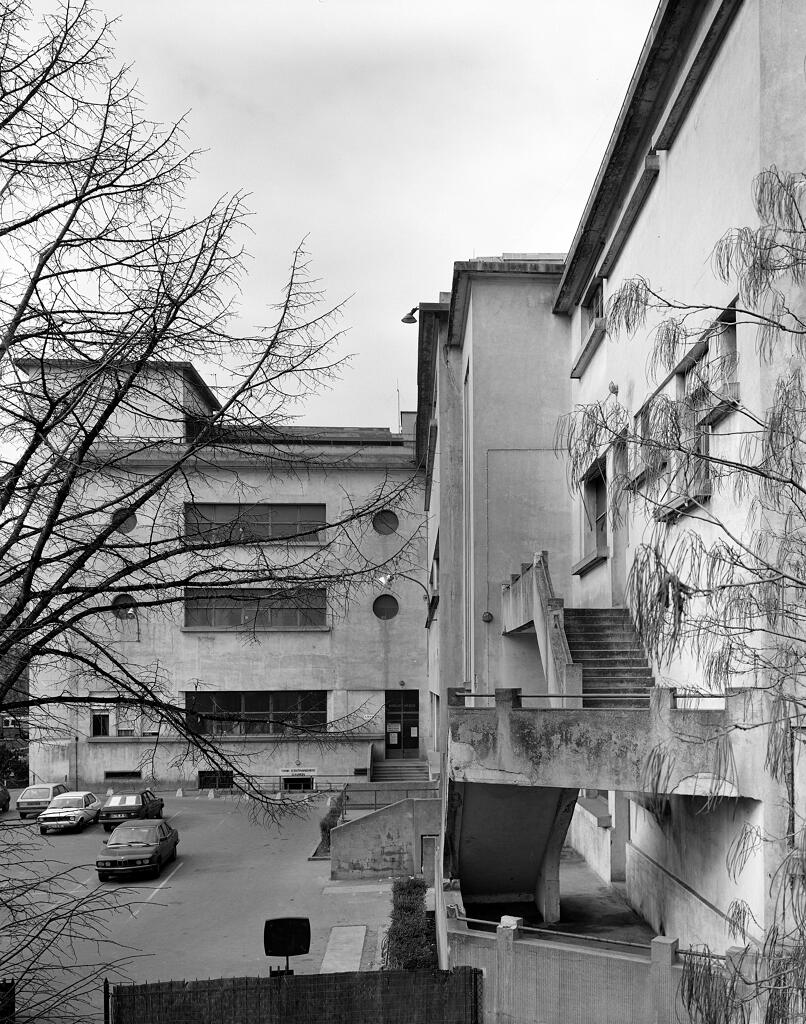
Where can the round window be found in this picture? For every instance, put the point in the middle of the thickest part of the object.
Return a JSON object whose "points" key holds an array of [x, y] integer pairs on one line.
{"points": [[385, 521], [385, 606], [124, 521], [124, 606]]}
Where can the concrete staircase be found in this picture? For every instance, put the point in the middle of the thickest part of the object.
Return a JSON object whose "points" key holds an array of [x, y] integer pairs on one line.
{"points": [[615, 672], [402, 771]]}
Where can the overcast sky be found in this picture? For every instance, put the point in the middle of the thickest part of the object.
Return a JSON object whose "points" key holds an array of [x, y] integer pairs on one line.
{"points": [[398, 135]]}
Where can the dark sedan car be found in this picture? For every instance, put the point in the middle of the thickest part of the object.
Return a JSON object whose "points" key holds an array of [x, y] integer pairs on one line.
{"points": [[125, 806], [137, 849]]}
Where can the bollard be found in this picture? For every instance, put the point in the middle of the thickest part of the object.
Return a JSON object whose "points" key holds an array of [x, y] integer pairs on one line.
{"points": [[179, 792], [211, 794]]}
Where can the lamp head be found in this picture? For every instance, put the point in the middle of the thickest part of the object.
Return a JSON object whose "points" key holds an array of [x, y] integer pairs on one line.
{"points": [[410, 318]]}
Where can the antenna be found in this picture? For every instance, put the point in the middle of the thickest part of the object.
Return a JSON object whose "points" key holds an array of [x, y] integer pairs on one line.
{"points": [[399, 420]]}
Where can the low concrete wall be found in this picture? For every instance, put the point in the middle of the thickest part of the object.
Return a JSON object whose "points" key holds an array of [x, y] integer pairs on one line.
{"points": [[387, 842], [531, 981], [161, 764], [591, 835], [671, 906]]}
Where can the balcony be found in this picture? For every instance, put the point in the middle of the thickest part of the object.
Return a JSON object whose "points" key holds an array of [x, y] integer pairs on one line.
{"points": [[673, 746]]}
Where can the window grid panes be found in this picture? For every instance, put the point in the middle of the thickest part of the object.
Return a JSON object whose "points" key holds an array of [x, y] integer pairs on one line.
{"points": [[240, 608], [244, 524], [257, 712]]}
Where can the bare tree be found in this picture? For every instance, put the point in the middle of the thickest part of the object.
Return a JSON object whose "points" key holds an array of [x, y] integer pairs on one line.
{"points": [[715, 479], [112, 294]]}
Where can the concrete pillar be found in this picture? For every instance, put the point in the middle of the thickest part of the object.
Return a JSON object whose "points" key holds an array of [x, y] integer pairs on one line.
{"points": [[664, 956], [338, 705], [429, 853], [505, 935], [547, 889], [619, 807]]}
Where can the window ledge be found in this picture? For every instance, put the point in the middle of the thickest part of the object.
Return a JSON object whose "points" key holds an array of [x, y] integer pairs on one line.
{"points": [[593, 340], [255, 629], [124, 739], [297, 737], [302, 542], [720, 405], [590, 561], [684, 503]]}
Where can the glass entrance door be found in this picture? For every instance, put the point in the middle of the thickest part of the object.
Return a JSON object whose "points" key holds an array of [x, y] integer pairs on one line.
{"points": [[402, 724]]}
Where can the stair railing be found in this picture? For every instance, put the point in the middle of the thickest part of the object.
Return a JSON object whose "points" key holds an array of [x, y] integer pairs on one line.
{"points": [[563, 676]]}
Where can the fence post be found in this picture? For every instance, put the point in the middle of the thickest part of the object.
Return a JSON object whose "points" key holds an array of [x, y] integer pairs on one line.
{"points": [[505, 935], [664, 955], [106, 1000]]}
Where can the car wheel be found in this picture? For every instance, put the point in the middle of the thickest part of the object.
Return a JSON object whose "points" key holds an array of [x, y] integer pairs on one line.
{"points": [[107, 828], [23, 816], [42, 830], [173, 854], [103, 876]]}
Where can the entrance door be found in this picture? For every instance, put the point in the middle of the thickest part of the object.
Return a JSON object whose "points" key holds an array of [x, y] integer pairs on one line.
{"points": [[402, 724]]}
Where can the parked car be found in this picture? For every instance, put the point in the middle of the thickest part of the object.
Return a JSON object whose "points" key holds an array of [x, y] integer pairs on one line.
{"points": [[35, 799], [70, 810], [5, 799], [140, 849], [124, 806]]}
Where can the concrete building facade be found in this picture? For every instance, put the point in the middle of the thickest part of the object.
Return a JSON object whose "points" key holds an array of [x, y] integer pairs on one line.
{"points": [[304, 691], [534, 643]]}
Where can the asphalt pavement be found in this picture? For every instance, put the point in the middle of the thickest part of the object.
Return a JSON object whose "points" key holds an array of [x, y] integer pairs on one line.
{"points": [[204, 917]]}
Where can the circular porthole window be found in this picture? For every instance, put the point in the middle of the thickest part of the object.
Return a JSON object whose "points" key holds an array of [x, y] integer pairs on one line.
{"points": [[385, 607], [385, 521], [124, 606], [124, 521]]}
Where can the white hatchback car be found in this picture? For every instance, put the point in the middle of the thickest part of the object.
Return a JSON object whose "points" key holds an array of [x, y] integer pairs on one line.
{"points": [[70, 810]]}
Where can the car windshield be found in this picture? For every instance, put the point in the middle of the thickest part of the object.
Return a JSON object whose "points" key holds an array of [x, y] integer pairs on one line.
{"points": [[133, 837], [67, 801], [35, 793], [123, 801]]}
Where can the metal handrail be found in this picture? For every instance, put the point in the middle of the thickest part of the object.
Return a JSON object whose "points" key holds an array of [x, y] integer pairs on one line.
{"points": [[554, 701], [643, 946]]}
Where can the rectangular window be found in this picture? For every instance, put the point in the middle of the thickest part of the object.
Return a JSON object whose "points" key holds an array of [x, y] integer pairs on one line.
{"points": [[247, 524], [257, 712], [594, 504], [242, 608], [99, 723], [594, 307], [128, 723]]}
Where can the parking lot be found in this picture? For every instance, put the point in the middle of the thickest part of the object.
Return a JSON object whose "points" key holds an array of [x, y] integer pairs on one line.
{"points": [[204, 916]]}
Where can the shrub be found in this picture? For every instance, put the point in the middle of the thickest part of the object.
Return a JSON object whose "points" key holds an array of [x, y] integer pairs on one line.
{"points": [[410, 942], [331, 819]]}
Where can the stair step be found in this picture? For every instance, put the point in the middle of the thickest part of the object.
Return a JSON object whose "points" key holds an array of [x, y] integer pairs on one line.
{"points": [[616, 672], [608, 655]]}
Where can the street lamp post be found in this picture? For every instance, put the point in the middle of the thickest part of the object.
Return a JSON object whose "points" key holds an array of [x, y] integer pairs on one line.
{"points": [[76, 764]]}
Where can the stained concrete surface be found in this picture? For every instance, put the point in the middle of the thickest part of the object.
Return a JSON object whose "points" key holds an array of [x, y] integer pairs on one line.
{"points": [[587, 907]]}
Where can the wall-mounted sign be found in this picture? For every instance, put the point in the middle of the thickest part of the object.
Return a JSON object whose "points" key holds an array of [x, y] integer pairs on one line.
{"points": [[293, 773]]}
